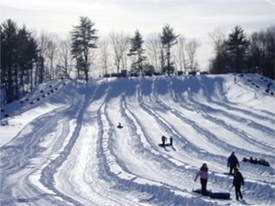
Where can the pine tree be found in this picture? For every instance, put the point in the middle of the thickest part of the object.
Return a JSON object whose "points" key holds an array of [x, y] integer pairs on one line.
{"points": [[83, 40], [168, 39], [137, 50], [27, 56], [9, 44], [18, 53], [237, 47]]}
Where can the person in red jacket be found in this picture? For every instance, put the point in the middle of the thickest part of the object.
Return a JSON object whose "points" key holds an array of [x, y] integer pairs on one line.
{"points": [[203, 173], [238, 181]]}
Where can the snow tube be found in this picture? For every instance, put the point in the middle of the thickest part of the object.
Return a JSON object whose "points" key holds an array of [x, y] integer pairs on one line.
{"points": [[220, 195], [215, 195], [208, 192], [166, 145]]}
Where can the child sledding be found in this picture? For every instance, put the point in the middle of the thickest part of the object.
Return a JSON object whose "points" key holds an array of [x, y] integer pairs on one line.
{"points": [[119, 126]]}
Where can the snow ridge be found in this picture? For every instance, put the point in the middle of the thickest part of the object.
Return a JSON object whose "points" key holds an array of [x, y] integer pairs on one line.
{"points": [[66, 149]]}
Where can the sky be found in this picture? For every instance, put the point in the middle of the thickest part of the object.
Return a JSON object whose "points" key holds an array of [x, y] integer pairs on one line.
{"points": [[193, 19]]}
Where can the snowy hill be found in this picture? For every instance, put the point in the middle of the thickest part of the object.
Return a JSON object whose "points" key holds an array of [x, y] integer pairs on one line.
{"points": [[64, 148]]}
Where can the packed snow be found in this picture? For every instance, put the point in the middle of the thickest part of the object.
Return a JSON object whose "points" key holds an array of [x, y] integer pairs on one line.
{"points": [[64, 148]]}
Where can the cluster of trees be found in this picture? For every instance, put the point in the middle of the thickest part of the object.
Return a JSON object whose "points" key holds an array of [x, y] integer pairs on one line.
{"points": [[242, 54], [19, 53], [155, 54], [28, 59]]}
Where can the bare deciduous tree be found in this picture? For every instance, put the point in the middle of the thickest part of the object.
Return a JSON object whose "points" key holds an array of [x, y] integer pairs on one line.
{"points": [[120, 45], [43, 41], [51, 51], [153, 48], [262, 52], [191, 49], [218, 39], [180, 54], [65, 57], [219, 63], [105, 54]]}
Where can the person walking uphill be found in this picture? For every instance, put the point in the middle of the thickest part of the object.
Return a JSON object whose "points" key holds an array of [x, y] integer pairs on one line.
{"points": [[203, 173], [238, 181], [232, 162]]}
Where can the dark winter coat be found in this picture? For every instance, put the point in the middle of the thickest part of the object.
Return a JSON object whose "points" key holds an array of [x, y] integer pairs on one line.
{"points": [[233, 161], [163, 139], [238, 179]]}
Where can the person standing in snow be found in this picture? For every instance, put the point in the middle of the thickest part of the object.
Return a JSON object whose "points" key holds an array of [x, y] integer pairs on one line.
{"points": [[232, 162], [203, 173], [171, 141], [238, 181], [163, 139]]}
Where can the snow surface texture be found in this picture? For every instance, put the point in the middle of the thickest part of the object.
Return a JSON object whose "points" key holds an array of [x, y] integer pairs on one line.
{"points": [[66, 149]]}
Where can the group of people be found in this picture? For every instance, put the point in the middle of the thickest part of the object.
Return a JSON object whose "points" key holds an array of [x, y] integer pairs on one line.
{"points": [[256, 161], [238, 179], [163, 140]]}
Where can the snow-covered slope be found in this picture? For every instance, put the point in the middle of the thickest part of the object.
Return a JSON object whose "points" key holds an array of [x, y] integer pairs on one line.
{"points": [[66, 149]]}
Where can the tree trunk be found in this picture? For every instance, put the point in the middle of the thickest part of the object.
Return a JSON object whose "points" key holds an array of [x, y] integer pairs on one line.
{"points": [[86, 67]]}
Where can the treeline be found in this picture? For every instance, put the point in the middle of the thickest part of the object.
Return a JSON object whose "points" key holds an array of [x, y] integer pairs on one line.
{"points": [[28, 59], [163, 53], [18, 55], [242, 54]]}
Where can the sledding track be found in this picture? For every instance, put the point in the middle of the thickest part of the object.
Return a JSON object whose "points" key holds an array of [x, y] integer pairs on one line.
{"points": [[75, 155]]}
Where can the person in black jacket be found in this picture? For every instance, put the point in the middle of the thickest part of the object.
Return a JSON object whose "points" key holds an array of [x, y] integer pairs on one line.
{"points": [[163, 139], [232, 162], [238, 181], [171, 141]]}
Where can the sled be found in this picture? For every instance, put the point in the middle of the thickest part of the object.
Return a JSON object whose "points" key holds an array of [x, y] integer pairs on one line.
{"points": [[215, 195], [165, 145], [198, 191], [220, 195], [227, 173]]}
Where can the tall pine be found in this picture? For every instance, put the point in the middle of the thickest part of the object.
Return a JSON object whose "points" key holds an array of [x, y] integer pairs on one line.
{"points": [[9, 45], [137, 51], [237, 47], [18, 54], [168, 39], [83, 40], [28, 55]]}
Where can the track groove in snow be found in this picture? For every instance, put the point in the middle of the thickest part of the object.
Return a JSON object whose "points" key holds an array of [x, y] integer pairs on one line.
{"points": [[73, 153]]}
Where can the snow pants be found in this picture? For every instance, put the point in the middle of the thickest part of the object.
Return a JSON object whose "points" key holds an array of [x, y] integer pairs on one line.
{"points": [[238, 192], [203, 186]]}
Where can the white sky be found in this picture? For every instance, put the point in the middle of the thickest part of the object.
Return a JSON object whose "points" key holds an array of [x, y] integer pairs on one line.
{"points": [[190, 18]]}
